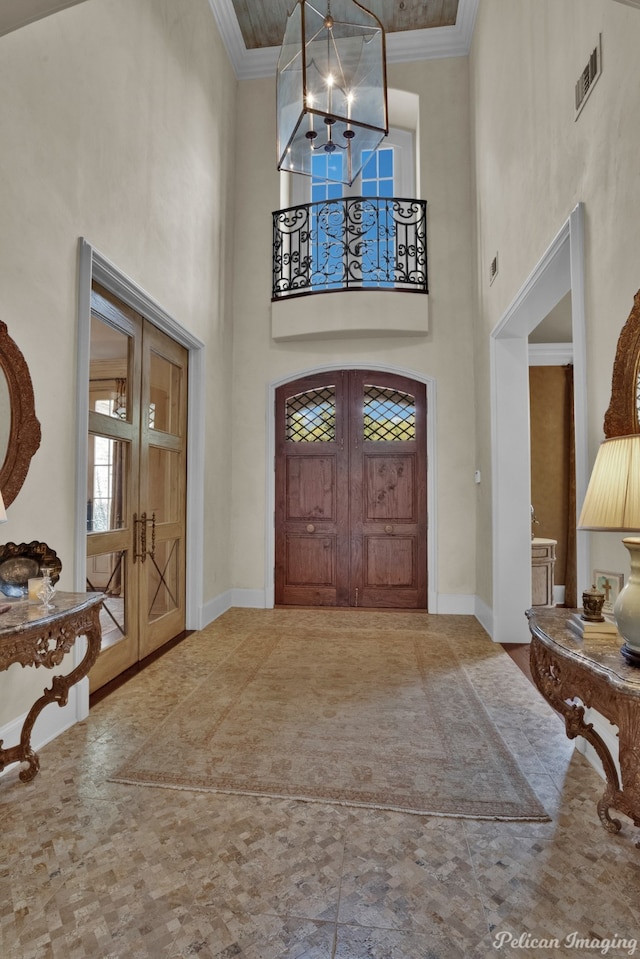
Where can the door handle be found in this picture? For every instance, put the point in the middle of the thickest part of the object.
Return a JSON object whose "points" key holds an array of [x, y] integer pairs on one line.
{"points": [[139, 533], [140, 551]]}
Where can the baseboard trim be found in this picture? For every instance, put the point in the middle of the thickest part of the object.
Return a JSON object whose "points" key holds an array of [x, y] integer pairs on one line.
{"points": [[249, 598], [214, 608], [484, 615], [241, 598], [455, 604]]}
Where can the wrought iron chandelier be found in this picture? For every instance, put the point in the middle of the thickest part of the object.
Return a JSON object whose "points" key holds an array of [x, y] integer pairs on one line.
{"points": [[331, 89]]}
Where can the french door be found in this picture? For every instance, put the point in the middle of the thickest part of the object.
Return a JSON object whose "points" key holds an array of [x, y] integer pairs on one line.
{"points": [[351, 491], [136, 484]]}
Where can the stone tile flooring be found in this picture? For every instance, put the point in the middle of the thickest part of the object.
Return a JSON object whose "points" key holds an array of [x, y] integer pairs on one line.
{"points": [[92, 869]]}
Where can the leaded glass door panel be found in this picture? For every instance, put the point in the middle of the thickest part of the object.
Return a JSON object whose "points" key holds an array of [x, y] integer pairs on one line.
{"points": [[351, 491]]}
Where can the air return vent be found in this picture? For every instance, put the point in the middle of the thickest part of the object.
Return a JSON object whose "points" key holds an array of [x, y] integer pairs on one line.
{"points": [[588, 77], [493, 269]]}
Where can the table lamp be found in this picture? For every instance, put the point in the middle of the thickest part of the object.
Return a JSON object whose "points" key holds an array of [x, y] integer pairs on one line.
{"points": [[613, 503]]}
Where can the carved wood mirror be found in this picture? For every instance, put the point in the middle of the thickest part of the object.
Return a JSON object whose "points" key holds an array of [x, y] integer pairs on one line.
{"points": [[19, 428], [623, 416]]}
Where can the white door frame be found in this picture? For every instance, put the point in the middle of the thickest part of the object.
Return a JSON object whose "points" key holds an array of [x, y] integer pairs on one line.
{"points": [[432, 531], [560, 270], [94, 266]]}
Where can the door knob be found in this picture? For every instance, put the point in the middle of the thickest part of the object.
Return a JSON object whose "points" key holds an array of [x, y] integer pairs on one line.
{"points": [[388, 529], [311, 528]]}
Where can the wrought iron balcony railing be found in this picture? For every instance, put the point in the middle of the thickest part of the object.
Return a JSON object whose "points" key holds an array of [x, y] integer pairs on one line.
{"points": [[351, 243]]}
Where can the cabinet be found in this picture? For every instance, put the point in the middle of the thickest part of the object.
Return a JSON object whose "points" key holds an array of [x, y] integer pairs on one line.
{"points": [[543, 561]]}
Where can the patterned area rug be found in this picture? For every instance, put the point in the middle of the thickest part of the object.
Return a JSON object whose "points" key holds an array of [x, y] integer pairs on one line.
{"points": [[356, 708]]}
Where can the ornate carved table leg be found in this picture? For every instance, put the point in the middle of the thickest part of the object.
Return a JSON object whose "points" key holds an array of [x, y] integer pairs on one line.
{"points": [[557, 684], [49, 648]]}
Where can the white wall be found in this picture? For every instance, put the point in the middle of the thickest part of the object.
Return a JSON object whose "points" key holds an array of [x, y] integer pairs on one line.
{"points": [[117, 123], [533, 162], [446, 353]]}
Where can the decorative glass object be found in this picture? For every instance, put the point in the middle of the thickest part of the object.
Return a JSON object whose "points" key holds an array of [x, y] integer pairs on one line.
{"points": [[331, 88], [47, 590]]}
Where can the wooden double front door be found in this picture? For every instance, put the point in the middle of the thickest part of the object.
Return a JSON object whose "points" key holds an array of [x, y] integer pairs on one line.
{"points": [[351, 491]]}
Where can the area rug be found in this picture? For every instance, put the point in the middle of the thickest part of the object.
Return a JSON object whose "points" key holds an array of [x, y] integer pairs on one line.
{"points": [[340, 710]]}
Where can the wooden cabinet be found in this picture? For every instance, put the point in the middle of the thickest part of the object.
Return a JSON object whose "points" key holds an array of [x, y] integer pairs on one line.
{"points": [[543, 561]]}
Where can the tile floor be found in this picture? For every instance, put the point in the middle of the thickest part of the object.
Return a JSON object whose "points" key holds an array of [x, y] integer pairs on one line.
{"points": [[93, 870]]}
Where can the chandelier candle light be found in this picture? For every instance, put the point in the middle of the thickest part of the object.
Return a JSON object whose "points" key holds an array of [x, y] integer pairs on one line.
{"points": [[613, 503], [331, 88]]}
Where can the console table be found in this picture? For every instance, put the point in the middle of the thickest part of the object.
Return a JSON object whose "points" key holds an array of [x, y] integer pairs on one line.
{"points": [[34, 636], [565, 666]]}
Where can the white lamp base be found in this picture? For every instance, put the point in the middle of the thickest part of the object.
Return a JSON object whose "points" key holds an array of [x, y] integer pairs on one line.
{"points": [[626, 610]]}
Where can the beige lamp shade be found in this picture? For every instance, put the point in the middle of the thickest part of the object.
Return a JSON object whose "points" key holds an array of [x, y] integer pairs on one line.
{"points": [[613, 495], [3, 512]]}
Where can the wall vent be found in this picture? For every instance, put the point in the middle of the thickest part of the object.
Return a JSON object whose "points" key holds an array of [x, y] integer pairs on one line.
{"points": [[588, 77], [493, 269]]}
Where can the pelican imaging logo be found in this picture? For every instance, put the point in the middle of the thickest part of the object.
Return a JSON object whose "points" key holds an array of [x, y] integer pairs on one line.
{"points": [[608, 946]]}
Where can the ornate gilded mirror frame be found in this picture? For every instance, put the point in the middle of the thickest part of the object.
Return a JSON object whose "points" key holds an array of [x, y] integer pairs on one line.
{"points": [[24, 432], [623, 416]]}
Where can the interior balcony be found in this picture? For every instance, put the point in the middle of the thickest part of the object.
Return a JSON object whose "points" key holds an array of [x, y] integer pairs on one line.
{"points": [[351, 250]]}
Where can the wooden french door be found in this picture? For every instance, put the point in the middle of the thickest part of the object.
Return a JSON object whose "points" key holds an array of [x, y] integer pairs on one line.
{"points": [[136, 484], [351, 491]]}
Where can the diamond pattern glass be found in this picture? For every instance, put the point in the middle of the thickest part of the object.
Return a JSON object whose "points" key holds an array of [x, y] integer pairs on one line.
{"points": [[311, 416], [388, 415]]}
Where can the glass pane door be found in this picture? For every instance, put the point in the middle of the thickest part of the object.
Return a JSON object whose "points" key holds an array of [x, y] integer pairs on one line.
{"points": [[162, 488], [112, 486], [136, 484]]}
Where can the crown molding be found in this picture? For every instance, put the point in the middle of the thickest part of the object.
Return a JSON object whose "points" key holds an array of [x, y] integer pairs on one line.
{"points": [[402, 47], [550, 354]]}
